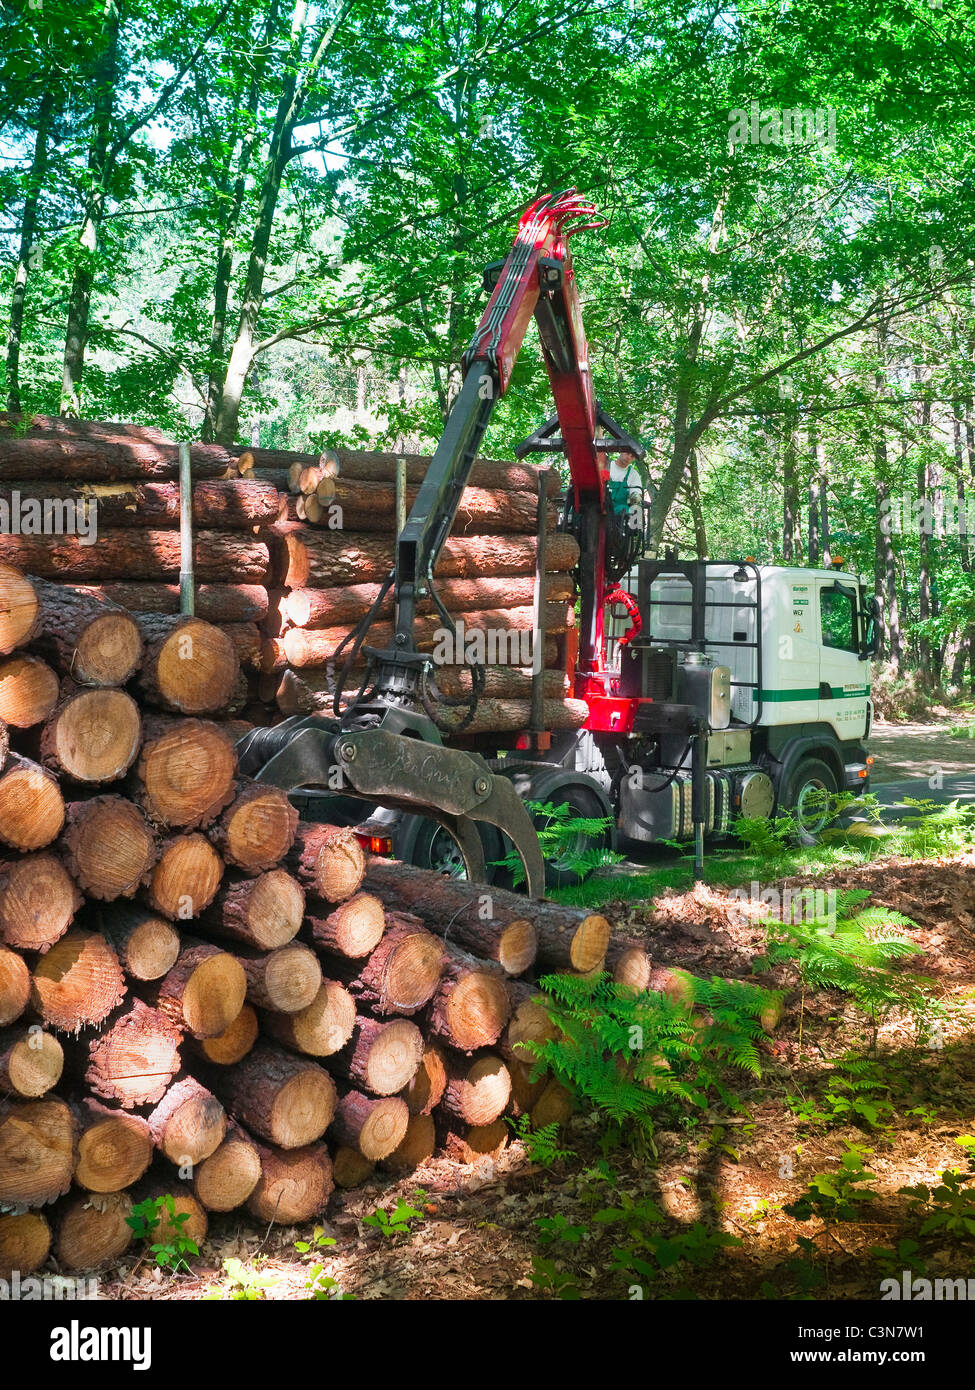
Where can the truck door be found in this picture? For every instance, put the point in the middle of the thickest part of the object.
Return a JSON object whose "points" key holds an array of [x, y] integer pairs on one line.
{"points": [[843, 676]]}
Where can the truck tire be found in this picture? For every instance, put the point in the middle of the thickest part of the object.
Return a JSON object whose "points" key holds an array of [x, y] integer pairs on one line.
{"points": [[427, 844], [808, 788], [583, 801]]}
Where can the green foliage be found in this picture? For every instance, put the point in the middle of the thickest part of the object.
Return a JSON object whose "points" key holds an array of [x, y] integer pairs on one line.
{"points": [[147, 1216], [398, 1222], [320, 1286], [541, 1144], [936, 830], [855, 1093], [564, 840], [635, 1057], [949, 1207], [646, 1253], [838, 1196], [246, 1285]]}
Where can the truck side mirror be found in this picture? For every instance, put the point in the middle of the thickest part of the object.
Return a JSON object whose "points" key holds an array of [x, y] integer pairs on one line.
{"points": [[870, 643]]}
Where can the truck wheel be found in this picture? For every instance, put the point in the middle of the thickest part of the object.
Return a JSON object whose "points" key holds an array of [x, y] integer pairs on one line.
{"points": [[582, 801], [810, 786], [427, 844]]}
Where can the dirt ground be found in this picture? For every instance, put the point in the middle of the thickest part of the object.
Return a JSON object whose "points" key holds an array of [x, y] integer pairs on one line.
{"points": [[918, 750]]}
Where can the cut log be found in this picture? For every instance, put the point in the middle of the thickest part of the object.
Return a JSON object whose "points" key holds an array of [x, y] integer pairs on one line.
{"points": [[471, 1005], [415, 1147], [103, 457], [321, 1029], [119, 553], [477, 1093], [258, 829], [281, 459], [214, 603], [134, 1061], [31, 1061], [114, 1149], [78, 982], [381, 1058], [362, 466], [263, 912], [14, 986], [25, 1242], [38, 901], [317, 608], [185, 776], [189, 666], [374, 1126], [188, 1124], [4, 743], [287, 1100], [193, 1228], [20, 609], [226, 1179], [630, 964], [554, 1106], [93, 736], [501, 683], [459, 911], [511, 716], [147, 946], [423, 1094], [92, 1232], [569, 938], [401, 975], [365, 507], [17, 425], [294, 1185], [86, 637], [327, 859], [109, 846], [312, 690], [204, 991], [475, 1142], [529, 1023], [224, 504], [29, 690], [350, 1168], [285, 980], [31, 805], [186, 877], [524, 1090], [353, 929], [233, 1043], [38, 1149], [309, 558]]}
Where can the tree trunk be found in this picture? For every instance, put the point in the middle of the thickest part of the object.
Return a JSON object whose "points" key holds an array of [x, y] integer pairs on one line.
{"points": [[109, 847], [790, 494], [475, 1142], [321, 1029], [78, 982], [477, 1093], [213, 603], [185, 775], [352, 929], [482, 511], [130, 554], [38, 901], [264, 912], [381, 1058], [287, 1100], [294, 1185], [365, 467], [31, 1062], [258, 829], [374, 1126], [327, 860], [188, 1124], [283, 981], [401, 975], [86, 637], [147, 946], [93, 737], [230, 504], [26, 260], [185, 880], [204, 991], [317, 608], [31, 805], [38, 1148]]}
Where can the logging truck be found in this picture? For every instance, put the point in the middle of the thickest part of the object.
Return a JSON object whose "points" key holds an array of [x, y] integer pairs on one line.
{"points": [[728, 688]]}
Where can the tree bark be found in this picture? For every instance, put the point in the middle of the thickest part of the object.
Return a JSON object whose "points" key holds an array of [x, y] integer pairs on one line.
{"points": [[401, 975], [380, 1058], [213, 603], [321, 1029], [130, 554], [283, 981], [264, 913], [317, 608], [471, 1005], [286, 1100], [352, 929]]}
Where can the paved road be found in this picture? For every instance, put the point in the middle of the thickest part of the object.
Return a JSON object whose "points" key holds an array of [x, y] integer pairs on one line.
{"points": [[891, 794]]}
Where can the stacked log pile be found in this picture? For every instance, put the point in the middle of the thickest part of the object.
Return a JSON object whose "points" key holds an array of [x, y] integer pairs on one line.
{"points": [[201, 995]]}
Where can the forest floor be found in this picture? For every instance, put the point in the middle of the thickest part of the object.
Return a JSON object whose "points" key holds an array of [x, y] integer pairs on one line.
{"points": [[719, 1174], [916, 750]]}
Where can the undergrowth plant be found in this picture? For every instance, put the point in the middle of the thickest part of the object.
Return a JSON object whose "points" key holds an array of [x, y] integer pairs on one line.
{"points": [[541, 1143], [147, 1217], [563, 837]]}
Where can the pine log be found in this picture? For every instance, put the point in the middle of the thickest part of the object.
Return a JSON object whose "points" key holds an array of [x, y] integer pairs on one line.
{"points": [[103, 457], [500, 682], [120, 553], [263, 912], [401, 975], [86, 637], [92, 1232], [530, 1022], [38, 901], [109, 847], [31, 1061], [630, 964], [257, 829], [215, 603], [285, 980], [188, 1124], [554, 1106], [226, 1179], [321, 1029], [287, 1100], [317, 608], [327, 860], [474, 1143], [362, 466], [16, 425], [186, 877], [228, 1047], [381, 1058], [29, 690], [134, 1061], [31, 805], [350, 1168], [147, 945], [20, 609], [312, 689], [4, 743], [478, 1091], [525, 1090], [38, 1149], [221, 505], [185, 775], [415, 1147], [189, 666], [294, 1186], [193, 1228], [25, 1242], [373, 1125], [352, 929], [315, 646], [458, 911], [78, 982], [280, 459], [14, 986], [114, 1149], [511, 716], [362, 506], [471, 1005], [425, 1091], [93, 736], [310, 558], [204, 991]]}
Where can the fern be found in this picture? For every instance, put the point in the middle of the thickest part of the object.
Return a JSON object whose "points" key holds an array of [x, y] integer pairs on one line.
{"points": [[562, 836]]}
